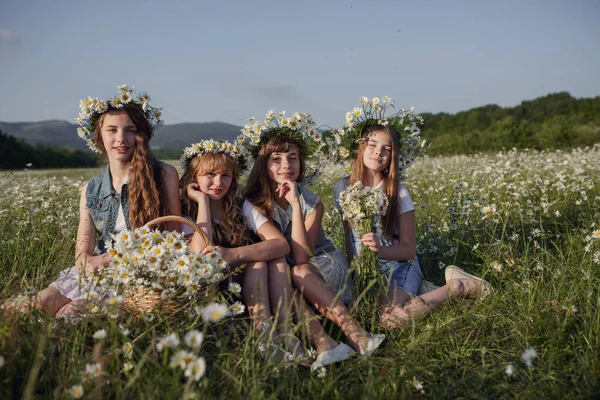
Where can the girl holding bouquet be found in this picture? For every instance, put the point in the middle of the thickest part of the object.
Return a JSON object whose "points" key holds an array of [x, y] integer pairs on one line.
{"points": [[379, 162], [133, 189], [318, 269], [209, 191]]}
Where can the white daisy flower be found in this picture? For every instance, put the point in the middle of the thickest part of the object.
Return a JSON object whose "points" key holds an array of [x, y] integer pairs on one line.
{"points": [[196, 369], [128, 366], [237, 308], [214, 312], [127, 350], [321, 372], [528, 356], [76, 391], [99, 334], [510, 370], [415, 383], [194, 339], [235, 288], [170, 341], [181, 359]]}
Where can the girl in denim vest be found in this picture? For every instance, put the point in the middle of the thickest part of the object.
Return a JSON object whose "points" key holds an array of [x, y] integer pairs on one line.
{"points": [[133, 189], [377, 163], [209, 191], [318, 269]]}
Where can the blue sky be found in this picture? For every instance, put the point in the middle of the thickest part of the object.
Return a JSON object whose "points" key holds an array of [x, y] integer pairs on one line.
{"points": [[228, 60]]}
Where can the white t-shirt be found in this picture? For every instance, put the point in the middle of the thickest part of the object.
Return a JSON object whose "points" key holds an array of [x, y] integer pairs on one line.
{"points": [[120, 224], [254, 217]]}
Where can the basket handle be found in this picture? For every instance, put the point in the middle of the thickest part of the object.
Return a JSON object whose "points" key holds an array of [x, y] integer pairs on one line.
{"points": [[176, 218]]}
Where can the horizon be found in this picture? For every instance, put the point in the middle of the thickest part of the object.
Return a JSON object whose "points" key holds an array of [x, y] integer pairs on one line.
{"points": [[201, 61], [241, 125]]}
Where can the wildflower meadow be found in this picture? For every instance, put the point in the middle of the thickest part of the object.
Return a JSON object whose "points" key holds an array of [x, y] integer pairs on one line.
{"points": [[526, 221]]}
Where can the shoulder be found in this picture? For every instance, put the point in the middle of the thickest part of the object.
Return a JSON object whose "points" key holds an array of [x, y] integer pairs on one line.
{"points": [[402, 191], [340, 185], [83, 190], [169, 171], [310, 197], [338, 188], [404, 201]]}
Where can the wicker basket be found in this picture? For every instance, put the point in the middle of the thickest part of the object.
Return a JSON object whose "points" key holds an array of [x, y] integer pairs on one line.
{"points": [[141, 301]]}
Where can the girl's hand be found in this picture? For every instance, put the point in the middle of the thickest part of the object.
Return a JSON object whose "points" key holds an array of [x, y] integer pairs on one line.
{"points": [[372, 241], [224, 251], [194, 193], [94, 262], [288, 190]]}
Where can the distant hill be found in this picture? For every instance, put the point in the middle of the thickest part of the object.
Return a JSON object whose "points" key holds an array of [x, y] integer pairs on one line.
{"points": [[557, 120], [174, 137]]}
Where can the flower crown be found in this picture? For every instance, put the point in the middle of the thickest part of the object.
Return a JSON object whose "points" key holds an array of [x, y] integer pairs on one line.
{"points": [[342, 142], [91, 109], [239, 154], [299, 127]]}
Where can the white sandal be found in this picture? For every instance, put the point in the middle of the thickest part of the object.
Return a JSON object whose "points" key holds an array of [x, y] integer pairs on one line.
{"points": [[454, 272]]}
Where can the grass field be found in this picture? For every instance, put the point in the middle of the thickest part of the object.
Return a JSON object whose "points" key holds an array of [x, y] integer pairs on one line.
{"points": [[529, 222]]}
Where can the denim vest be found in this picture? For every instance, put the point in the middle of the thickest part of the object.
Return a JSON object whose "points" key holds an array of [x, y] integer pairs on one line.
{"points": [[103, 203], [283, 222]]}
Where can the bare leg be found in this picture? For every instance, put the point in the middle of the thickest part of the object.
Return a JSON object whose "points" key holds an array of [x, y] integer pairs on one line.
{"points": [[308, 279], [72, 308], [281, 295], [317, 335], [256, 294], [49, 300], [400, 310]]}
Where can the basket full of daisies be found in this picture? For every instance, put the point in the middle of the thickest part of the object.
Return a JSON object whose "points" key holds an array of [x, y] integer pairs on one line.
{"points": [[153, 270]]}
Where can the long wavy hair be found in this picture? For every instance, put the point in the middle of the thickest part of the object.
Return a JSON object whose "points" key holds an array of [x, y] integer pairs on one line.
{"points": [[391, 179], [258, 190], [147, 191], [232, 227]]}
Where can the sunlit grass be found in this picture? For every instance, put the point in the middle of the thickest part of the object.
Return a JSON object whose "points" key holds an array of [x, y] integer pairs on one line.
{"points": [[528, 222]]}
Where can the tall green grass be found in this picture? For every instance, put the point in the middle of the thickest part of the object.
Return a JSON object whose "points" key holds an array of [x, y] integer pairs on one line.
{"points": [[526, 221]]}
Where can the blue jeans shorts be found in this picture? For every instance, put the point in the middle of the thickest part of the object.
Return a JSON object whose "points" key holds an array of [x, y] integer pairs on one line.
{"points": [[404, 275]]}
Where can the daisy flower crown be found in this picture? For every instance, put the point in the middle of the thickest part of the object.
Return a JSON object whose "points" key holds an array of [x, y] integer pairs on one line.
{"points": [[90, 110], [299, 127], [239, 154], [342, 142]]}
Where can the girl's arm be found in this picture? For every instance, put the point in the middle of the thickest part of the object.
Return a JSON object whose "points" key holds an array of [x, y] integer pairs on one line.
{"points": [[203, 218], [85, 261], [273, 246], [305, 232], [171, 181], [406, 249]]}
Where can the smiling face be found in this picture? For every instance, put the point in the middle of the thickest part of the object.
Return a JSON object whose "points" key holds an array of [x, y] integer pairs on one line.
{"points": [[282, 166], [216, 181], [118, 136], [378, 151]]}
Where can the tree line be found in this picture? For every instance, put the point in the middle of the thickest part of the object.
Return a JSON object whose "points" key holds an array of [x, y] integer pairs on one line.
{"points": [[18, 154], [555, 121]]}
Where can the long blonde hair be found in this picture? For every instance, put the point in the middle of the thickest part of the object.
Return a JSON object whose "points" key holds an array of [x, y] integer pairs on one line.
{"points": [[147, 191], [258, 190], [391, 179], [232, 226]]}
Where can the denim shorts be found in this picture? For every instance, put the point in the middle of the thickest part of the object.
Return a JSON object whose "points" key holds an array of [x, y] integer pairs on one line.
{"points": [[404, 275]]}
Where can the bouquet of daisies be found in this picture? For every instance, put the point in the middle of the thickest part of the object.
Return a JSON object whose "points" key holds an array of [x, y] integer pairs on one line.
{"points": [[155, 263], [363, 207]]}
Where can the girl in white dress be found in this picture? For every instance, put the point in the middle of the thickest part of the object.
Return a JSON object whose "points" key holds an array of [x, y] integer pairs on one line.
{"points": [[133, 189]]}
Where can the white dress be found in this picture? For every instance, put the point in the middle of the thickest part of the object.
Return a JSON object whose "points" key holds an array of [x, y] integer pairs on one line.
{"points": [[68, 281]]}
